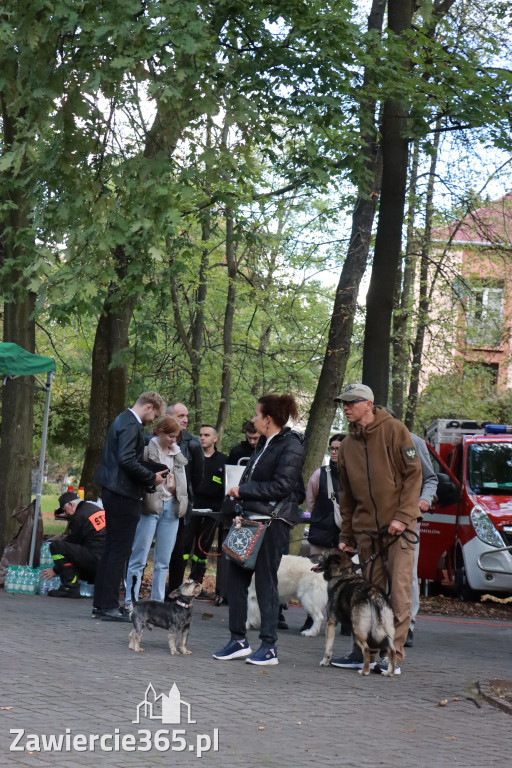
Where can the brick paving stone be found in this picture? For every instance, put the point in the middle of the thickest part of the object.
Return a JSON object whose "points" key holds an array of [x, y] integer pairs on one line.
{"points": [[60, 669]]}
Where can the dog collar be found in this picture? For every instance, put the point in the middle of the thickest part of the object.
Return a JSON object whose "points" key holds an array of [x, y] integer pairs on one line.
{"points": [[182, 605]]}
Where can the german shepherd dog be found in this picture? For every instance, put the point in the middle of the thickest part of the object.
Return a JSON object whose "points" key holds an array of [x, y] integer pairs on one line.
{"points": [[352, 598], [174, 616]]}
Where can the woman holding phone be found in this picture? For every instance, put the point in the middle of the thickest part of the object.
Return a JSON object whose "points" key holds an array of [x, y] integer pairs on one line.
{"points": [[161, 511]]}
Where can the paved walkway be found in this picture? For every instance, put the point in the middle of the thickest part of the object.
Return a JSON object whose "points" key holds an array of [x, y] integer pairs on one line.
{"points": [[64, 674]]}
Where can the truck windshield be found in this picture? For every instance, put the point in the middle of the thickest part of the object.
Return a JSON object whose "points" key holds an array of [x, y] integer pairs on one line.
{"points": [[490, 468]]}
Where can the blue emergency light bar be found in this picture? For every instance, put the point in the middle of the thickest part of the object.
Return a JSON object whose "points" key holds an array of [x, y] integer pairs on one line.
{"points": [[498, 429]]}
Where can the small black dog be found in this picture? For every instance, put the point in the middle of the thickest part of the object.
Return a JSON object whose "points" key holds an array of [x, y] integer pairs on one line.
{"points": [[352, 598], [174, 616]]}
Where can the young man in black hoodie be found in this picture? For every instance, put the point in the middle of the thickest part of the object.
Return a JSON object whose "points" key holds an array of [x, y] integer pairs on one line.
{"points": [[200, 531]]}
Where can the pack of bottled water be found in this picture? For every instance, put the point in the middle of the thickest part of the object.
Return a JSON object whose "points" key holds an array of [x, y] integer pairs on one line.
{"points": [[46, 584], [22, 580], [46, 561], [45, 558]]}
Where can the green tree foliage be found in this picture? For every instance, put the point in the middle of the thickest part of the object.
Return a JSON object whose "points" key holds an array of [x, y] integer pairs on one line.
{"points": [[141, 146], [467, 392]]}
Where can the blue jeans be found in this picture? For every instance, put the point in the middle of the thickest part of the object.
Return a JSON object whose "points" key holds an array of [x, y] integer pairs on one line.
{"points": [[163, 528]]}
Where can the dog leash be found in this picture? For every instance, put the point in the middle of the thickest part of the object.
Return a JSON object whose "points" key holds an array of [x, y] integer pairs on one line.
{"points": [[411, 537]]}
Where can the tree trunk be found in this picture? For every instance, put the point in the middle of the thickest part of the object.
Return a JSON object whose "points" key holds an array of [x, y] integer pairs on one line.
{"points": [[17, 427], [16, 450], [196, 346], [323, 407], [403, 299], [424, 292], [388, 241], [229, 314], [109, 380]]}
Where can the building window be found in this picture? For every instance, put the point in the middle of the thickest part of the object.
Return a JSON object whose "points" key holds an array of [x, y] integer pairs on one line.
{"points": [[483, 310]]}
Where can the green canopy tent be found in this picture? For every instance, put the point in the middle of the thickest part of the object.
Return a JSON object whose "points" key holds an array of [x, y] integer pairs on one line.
{"points": [[14, 362]]}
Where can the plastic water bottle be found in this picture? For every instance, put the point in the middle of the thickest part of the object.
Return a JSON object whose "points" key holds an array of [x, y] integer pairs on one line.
{"points": [[44, 587], [17, 581], [45, 558], [8, 579], [86, 589], [13, 578]]}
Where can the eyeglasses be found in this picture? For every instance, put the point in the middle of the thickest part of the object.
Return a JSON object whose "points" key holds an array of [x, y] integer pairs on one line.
{"points": [[350, 403], [333, 450]]}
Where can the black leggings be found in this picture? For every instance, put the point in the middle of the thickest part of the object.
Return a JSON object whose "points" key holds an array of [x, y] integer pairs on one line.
{"points": [[274, 545]]}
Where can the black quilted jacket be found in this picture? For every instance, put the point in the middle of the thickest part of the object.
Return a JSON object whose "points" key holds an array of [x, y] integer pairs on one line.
{"points": [[276, 476]]}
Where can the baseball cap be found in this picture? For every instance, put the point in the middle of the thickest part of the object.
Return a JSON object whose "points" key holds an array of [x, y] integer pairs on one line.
{"points": [[355, 392], [65, 499]]}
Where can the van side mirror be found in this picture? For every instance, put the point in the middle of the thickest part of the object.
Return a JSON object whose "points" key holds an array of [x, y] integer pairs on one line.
{"points": [[447, 491]]}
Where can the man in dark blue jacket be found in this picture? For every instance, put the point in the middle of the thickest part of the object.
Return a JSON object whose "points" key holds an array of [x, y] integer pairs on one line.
{"points": [[123, 478]]}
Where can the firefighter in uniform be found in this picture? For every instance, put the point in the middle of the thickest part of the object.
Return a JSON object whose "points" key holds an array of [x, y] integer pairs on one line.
{"points": [[76, 555]]}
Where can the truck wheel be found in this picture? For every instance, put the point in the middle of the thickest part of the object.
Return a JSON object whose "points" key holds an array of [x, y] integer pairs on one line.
{"points": [[462, 589]]}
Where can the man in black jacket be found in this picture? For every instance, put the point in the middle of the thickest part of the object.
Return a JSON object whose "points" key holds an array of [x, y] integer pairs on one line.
{"points": [[77, 553], [123, 478], [193, 452]]}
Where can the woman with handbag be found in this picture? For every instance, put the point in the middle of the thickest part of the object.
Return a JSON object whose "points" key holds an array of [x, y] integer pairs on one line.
{"points": [[161, 511], [270, 490]]}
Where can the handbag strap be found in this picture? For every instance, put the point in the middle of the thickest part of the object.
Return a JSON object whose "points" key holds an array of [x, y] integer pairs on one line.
{"points": [[332, 497], [275, 512], [274, 515]]}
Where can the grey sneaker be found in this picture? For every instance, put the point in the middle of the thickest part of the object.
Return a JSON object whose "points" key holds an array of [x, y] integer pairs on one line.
{"points": [[382, 665]]}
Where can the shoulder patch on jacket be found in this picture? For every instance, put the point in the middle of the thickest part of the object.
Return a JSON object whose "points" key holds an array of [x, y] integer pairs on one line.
{"points": [[410, 453]]}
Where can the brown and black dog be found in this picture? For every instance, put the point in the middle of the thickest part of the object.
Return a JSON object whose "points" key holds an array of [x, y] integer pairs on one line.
{"points": [[175, 616], [352, 598]]}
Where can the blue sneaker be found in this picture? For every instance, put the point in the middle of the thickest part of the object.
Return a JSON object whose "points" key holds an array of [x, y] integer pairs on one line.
{"points": [[353, 660], [235, 649], [264, 657]]}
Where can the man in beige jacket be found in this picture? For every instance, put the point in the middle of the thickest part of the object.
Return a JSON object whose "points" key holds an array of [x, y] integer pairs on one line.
{"points": [[380, 484]]}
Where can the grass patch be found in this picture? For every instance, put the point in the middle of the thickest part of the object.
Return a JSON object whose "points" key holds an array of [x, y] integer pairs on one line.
{"points": [[51, 527]]}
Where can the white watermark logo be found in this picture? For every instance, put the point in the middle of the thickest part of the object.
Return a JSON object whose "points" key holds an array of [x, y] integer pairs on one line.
{"points": [[170, 709], [162, 707]]}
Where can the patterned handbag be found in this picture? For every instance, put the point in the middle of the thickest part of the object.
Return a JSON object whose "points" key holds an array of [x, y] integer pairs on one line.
{"points": [[244, 541]]}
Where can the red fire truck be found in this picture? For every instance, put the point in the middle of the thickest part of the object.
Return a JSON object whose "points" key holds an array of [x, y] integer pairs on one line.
{"points": [[466, 537]]}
